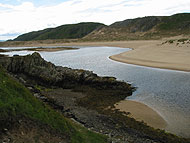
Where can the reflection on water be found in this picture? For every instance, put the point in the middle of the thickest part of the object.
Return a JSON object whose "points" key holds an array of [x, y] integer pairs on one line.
{"points": [[167, 91]]}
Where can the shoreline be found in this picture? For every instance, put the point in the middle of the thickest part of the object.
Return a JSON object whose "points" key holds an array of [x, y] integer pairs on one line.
{"points": [[150, 53], [132, 62], [147, 63], [142, 112]]}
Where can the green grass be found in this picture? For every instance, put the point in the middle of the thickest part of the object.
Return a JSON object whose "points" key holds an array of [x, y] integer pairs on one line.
{"points": [[16, 101]]}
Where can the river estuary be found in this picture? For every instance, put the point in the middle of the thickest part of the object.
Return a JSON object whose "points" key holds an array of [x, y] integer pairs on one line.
{"points": [[166, 91]]}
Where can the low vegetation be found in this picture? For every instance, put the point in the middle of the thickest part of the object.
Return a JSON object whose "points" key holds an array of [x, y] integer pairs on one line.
{"points": [[178, 41]]}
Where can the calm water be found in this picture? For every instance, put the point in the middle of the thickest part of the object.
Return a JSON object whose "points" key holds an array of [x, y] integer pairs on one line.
{"points": [[166, 91]]}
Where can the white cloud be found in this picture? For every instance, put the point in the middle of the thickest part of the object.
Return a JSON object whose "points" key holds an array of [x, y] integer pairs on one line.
{"points": [[27, 17]]}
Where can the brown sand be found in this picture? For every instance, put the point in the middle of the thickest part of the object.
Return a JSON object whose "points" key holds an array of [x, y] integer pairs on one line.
{"points": [[155, 54], [142, 112]]}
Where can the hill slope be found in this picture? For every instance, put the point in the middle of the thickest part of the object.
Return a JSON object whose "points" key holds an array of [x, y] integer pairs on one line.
{"points": [[144, 28], [23, 118], [70, 31]]}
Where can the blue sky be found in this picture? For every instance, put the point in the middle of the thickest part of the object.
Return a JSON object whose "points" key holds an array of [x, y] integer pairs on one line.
{"points": [[21, 16]]}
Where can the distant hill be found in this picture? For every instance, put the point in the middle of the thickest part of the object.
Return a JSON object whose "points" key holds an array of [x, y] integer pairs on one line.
{"points": [[70, 31], [150, 27], [144, 28]]}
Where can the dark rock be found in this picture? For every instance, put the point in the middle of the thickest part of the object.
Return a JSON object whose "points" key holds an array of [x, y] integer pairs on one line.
{"points": [[36, 67]]}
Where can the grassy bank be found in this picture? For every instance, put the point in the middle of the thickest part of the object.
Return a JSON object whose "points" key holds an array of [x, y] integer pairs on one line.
{"points": [[17, 102]]}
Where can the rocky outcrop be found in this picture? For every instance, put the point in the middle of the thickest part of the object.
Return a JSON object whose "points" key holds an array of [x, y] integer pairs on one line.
{"points": [[36, 67]]}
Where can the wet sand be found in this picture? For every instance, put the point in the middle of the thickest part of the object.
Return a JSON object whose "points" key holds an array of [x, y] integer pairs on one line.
{"points": [[142, 112]]}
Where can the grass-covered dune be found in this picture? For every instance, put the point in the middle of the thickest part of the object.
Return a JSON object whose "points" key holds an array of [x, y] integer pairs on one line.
{"points": [[23, 117]]}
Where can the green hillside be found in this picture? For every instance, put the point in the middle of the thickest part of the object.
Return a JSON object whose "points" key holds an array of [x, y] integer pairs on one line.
{"points": [[150, 27], [138, 24], [70, 31], [179, 22], [17, 103]]}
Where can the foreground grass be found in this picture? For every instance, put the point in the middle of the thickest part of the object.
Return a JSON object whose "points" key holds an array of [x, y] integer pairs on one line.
{"points": [[16, 101]]}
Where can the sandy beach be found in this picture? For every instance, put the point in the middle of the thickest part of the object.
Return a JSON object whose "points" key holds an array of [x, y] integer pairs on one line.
{"points": [[142, 112]]}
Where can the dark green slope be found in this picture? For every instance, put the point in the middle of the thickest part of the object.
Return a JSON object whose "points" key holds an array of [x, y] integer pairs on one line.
{"points": [[16, 103], [138, 24], [70, 31], [144, 28], [179, 22]]}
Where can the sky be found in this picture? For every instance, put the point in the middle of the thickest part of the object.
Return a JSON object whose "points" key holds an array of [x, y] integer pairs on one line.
{"points": [[22, 16]]}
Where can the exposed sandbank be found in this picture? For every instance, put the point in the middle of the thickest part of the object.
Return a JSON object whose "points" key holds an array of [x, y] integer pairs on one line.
{"points": [[142, 112], [40, 49]]}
